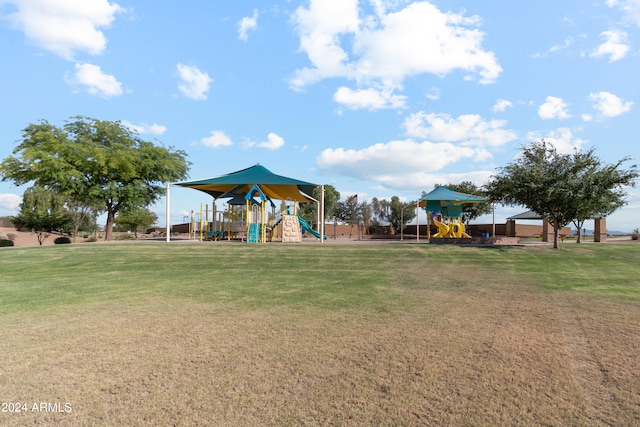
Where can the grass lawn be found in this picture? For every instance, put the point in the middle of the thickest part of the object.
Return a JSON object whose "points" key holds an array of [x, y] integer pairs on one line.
{"points": [[363, 334]]}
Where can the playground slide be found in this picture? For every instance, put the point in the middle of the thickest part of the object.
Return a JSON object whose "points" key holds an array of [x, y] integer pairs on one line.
{"points": [[307, 227], [443, 229], [455, 230]]}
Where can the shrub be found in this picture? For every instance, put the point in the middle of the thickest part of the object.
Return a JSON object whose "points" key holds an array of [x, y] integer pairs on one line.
{"points": [[12, 236], [635, 234], [62, 241], [5, 243]]}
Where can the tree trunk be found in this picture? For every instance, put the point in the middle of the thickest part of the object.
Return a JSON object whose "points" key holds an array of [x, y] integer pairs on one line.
{"points": [[579, 225], [108, 230], [556, 243]]}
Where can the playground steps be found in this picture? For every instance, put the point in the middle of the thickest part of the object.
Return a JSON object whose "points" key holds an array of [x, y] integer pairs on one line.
{"points": [[254, 233]]}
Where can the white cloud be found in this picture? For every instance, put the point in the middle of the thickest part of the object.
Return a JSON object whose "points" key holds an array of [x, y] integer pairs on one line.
{"points": [[401, 164], [217, 139], [437, 141], [382, 50], [95, 81], [273, 142], [247, 24], [380, 161], [194, 83], [10, 201], [616, 45], [609, 105], [562, 139], [630, 9], [567, 42], [501, 105], [371, 99], [145, 128], [469, 130], [553, 108], [65, 27]]}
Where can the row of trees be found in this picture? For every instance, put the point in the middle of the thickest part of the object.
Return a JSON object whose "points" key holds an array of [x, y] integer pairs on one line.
{"points": [[374, 215], [379, 213], [562, 188], [44, 212], [88, 167]]}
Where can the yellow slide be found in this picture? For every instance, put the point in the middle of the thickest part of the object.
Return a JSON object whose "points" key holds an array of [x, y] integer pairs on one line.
{"points": [[457, 230], [443, 229], [453, 230]]}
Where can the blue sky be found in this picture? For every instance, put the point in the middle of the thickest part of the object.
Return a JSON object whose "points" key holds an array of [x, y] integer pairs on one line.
{"points": [[375, 97]]}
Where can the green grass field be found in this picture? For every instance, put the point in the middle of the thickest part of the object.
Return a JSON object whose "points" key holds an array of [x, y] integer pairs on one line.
{"points": [[383, 334]]}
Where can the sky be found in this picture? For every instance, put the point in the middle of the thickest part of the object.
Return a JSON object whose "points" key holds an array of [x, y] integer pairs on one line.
{"points": [[377, 98]]}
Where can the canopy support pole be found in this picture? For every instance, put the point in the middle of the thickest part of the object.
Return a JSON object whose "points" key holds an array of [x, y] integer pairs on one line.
{"points": [[321, 213], [168, 213], [418, 221]]}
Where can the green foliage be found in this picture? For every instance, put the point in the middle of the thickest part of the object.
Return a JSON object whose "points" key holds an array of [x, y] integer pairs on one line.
{"points": [[62, 240], [135, 219], [349, 210], [42, 212], [392, 212], [308, 211], [561, 187], [5, 243], [83, 216], [94, 162]]}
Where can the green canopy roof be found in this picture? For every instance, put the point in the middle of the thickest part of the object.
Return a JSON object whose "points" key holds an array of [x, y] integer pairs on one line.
{"points": [[239, 183], [443, 197]]}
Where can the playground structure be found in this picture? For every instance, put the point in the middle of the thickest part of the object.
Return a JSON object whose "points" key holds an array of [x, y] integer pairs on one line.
{"points": [[255, 188], [444, 210]]}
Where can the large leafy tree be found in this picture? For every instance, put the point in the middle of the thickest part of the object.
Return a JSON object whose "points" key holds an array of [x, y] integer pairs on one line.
{"points": [[93, 161], [42, 212], [553, 184]]}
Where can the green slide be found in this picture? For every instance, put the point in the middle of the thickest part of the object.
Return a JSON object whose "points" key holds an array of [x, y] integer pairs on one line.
{"points": [[305, 225]]}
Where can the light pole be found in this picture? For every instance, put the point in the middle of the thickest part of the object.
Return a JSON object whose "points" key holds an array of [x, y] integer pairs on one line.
{"points": [[402, 221]]}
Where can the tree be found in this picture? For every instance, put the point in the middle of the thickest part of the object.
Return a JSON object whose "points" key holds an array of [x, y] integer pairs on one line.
{"points": [[400, 213], [600, 188], [93, 161], [552, 184], [471, 211], [394, 212], [133, 219], [309, 211], [350, 211], [83, 217], [42, 211]]}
